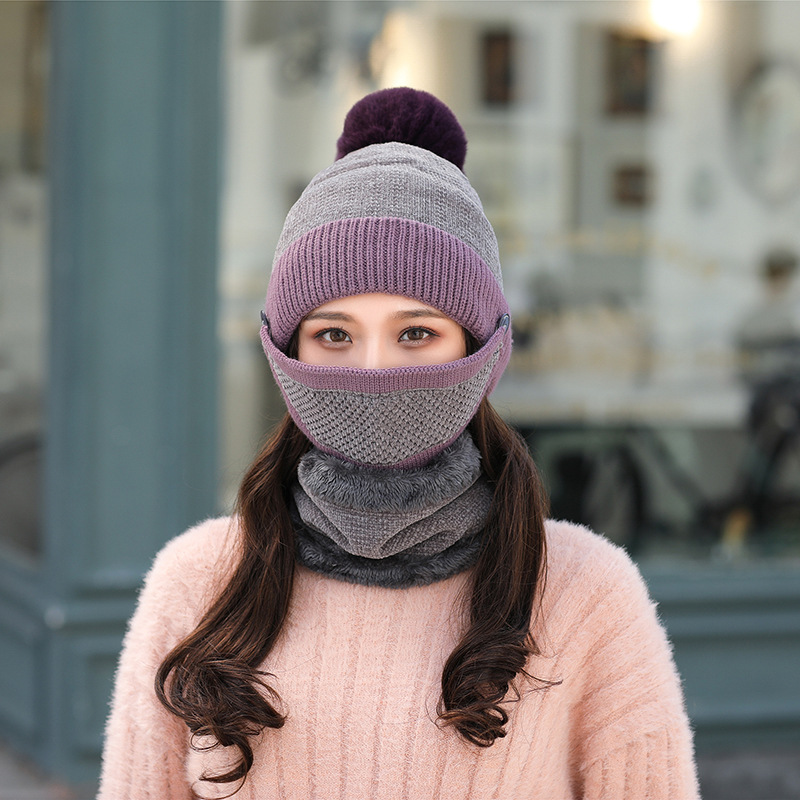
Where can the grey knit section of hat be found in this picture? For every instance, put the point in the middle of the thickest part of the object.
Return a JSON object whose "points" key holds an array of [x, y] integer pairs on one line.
{"points": [[385, 429], [395, 180]]}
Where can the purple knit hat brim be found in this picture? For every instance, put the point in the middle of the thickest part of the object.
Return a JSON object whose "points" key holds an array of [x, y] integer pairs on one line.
{"points": [[366, 255]]}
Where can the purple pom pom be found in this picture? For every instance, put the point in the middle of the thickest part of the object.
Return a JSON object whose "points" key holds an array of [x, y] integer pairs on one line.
{"points": [[404, 115]]}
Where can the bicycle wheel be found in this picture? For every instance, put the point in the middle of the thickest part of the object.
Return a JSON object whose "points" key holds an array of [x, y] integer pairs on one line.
{"points": [[774, 475], [613, 502], [778, 504]]}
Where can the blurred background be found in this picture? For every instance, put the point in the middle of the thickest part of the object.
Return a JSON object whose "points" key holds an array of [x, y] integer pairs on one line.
{"points": [[640, 162]]}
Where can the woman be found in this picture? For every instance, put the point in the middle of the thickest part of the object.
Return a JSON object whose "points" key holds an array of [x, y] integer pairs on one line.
{"points": [[387, 614]]}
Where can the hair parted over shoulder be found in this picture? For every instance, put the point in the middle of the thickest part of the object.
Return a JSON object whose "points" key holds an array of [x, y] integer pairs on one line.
{"points": [[217, 679]]}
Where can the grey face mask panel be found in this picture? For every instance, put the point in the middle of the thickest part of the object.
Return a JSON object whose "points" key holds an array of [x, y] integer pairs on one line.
{"points": [[387, 429]]}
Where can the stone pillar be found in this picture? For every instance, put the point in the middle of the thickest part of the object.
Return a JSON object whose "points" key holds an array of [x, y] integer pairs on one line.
{"points": [[130, 445]]}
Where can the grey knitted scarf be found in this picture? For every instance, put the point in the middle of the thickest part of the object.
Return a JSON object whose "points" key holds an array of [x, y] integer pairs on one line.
{"points": [[390, 527]]}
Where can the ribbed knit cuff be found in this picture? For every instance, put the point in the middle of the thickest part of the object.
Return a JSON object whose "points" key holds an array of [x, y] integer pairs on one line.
{"points": [[383, 255]]}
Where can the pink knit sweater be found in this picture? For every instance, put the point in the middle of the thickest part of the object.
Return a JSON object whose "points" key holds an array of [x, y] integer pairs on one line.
{"points": [[358, 670]]}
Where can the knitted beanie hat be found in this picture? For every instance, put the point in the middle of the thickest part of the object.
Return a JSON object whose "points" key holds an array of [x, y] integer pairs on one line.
{"points": [[394, 214]]}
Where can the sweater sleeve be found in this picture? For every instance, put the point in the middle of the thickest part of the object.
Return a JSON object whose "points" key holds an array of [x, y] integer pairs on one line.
{"points": [[631, 734], [145, 748]]}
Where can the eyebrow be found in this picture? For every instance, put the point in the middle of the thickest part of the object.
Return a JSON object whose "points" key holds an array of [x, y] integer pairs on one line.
{"points": [[329, 315], [416, 313], [412, 313]]}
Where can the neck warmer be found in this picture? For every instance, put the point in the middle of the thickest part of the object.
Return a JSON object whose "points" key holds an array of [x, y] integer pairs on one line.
{"points": [[392, 528]]}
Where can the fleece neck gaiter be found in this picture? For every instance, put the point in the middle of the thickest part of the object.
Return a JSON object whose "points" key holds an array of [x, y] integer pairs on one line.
{"points": [[391, 527]]}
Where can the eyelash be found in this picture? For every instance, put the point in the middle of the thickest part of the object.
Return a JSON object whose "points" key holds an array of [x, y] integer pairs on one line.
{"points": [[429, 334], [321, 335]]}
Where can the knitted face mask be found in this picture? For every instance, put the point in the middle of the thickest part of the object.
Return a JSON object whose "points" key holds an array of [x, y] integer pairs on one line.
{"points": [[394, 215], [399, 417]]}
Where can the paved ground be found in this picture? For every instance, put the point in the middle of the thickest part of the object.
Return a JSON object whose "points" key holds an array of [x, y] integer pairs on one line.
{"points": [[20, 781], [725, 776], [751, 775]]}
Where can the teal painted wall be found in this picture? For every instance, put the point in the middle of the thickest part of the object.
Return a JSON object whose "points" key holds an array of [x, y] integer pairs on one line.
{"points": [[736, 637]]}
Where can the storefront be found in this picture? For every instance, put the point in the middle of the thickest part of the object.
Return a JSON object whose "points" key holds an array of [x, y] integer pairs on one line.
{"points": [[640, 164]]}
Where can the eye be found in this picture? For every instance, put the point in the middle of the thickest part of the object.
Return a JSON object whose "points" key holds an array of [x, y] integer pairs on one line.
{"points": [[333, 336], [416, 335]]}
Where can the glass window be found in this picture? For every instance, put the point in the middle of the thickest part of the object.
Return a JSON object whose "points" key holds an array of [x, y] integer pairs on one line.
{"points": [[640, 162], [23, 231]]}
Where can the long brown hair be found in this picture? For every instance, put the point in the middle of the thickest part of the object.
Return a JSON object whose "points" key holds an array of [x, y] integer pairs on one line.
{"points": [[214, 680]]}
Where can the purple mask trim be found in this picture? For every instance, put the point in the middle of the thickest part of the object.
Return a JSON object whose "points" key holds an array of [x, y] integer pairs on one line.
{"points": [[365, 255], [379, 381]]}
